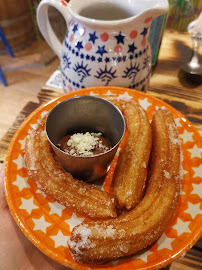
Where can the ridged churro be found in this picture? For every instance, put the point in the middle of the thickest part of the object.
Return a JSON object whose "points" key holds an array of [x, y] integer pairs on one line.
{"points": [[101, 241], [50, 177], [130, 173]]}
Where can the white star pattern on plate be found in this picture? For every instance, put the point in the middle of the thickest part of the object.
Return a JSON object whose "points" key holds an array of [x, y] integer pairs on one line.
{"points": [[60, 239], [92, 93], [109, 93], [125, 96], [143, 255], [193, 209], [56, 208], [144, 103], [181, 227], [165, 242], [197, 171], [118, 151], [157, 107], [115, 262], [197, 189], [177, 122], [186, 136], [21, 182], [41, 192], [40, 224], [22, 143], [73, 221], [19, 161], [195, 151], [28, 205]]}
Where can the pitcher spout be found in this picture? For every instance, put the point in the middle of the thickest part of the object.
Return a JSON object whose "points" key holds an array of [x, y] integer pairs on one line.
{"points": [[153, 8]]}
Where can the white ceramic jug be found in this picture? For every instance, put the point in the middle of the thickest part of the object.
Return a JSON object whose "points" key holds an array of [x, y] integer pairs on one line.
{"points": [[107, 41]]}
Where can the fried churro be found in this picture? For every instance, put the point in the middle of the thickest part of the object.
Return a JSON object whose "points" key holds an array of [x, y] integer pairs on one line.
{"points": [[130, 173], [101, 241], [60, 185]]}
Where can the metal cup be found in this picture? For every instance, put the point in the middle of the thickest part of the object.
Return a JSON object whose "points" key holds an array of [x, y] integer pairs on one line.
{"points": [[82, 114]]}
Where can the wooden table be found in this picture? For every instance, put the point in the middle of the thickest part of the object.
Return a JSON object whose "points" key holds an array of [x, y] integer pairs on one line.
{"points": [[165, 84]]}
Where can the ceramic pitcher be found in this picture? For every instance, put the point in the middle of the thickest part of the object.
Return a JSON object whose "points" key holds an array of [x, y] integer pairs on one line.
{"points": [[106, 43]]}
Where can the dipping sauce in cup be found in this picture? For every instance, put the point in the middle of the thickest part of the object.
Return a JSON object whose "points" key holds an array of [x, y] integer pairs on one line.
{"points": [[85, 132]]}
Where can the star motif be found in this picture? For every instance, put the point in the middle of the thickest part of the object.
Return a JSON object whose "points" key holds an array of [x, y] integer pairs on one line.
{"points": [[144, 103], [195, 151], [177, 121], [107, 59], [82, 56], [131, 57], [87, 57], [197, 171], [41, 224], [56, 208], [28, 205], [157, 107], [109, 93], [125, 96], [21, 182], [120, 38], [60, 239], [132, 48], [165, 242], [143, 255], [118, 151], [73, 221], [115, 262], [119, 59], [186, 136], [22, 143], [124, 58], [93, 37], [193, 209], [197, 189], [101, 50], [75, 28], [181, 226], [144, 32], [19, 161], [77, 53], [92, 58], [99, 59], [41, 192], [92, 94], [79, 45]]}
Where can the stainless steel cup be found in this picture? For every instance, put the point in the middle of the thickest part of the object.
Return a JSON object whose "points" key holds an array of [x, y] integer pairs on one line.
{"points": [[85, 114]]}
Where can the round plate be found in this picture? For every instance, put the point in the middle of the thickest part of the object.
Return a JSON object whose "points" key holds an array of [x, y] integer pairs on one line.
{"points": [[48, 224]]}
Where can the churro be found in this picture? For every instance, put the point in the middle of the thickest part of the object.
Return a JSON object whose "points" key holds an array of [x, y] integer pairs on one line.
{"points": [[101, 241], [130, 173], [50, 177]]}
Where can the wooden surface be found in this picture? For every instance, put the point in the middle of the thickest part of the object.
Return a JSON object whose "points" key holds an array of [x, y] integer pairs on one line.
{"points": [[165, 84]]}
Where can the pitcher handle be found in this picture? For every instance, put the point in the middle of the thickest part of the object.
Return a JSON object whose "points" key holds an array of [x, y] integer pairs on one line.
{"points": [[45, 26]]}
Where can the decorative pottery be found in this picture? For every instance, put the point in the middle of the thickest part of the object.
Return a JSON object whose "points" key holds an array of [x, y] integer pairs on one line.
{"points": [[107, 41]]}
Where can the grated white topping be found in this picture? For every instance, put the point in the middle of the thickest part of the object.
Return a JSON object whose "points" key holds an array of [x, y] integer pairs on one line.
{"points": [[85, 143]]}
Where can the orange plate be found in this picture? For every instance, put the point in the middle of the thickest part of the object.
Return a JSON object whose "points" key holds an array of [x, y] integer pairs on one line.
{"points": [[48, 224]]}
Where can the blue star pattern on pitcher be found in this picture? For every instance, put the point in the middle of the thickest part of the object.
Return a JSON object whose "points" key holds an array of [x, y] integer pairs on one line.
{"points": [[92, 37], [88, 54], [120, 38], [101, 50]]}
